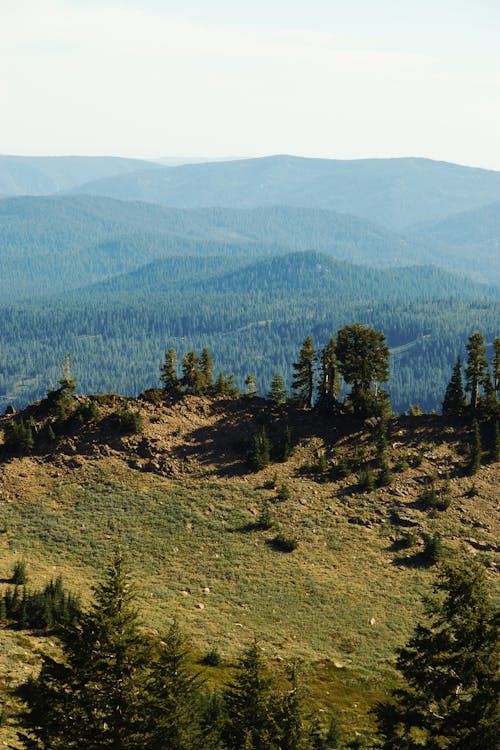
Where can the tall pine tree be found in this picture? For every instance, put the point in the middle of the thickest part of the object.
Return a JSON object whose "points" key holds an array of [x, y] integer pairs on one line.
{"points": [[303, 378], [476, 369], [94, 696]]}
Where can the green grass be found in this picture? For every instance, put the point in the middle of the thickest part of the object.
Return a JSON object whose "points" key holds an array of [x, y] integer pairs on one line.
{"points": [[314, 604]]}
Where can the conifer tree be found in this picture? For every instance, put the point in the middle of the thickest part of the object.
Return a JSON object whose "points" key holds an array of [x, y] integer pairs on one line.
{"points": [[278, 392], [206, 370], [454, 397], [260, 451], [476, 367], [250, 705], [175, 698], [171, 385], [329, 385], [303, 378], [363, 358], [293, 734], [251, 385], [192, 378], [94, 696], [450, 699]]}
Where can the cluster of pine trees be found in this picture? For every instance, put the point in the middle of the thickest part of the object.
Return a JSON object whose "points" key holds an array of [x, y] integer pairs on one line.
{"points": [[481, 383], [114, 687], [39, 610], [360, 355]]}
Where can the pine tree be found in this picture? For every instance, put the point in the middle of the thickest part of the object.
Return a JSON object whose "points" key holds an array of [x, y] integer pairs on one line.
{"points": [[454, 397], [175, 698], [476, 369], [251, 385], [293, 734], [303, 379], [329, 385], [94, 696], [207, 371], [192, 378], [450, 699], [171, 385], [250, 708], [363, 358], [260, 450], [278, 392]]}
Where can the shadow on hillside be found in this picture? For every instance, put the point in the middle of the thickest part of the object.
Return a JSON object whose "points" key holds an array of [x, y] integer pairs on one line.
{"points": [[225, 445], [417, 560]]}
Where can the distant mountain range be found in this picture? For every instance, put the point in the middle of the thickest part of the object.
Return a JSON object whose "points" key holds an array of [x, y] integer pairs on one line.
{"points": [[249, 257], [44, 175], [52, 244], [393, 192]]}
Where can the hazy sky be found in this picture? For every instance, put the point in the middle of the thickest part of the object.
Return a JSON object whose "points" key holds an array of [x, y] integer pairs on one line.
{"points": [[332, 78]]}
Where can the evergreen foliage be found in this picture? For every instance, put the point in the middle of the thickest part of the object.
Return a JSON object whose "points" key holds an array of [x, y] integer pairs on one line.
{"points": [[303, 378], [175, 698], [171, 384], [278, 392], [450, 699], [476, 369], [250, 705], [206, 370], [40, 610], [192, 378], [454, 397], [363, 358], [94, 696], [259, 455], [19, 574], [329, 385]]}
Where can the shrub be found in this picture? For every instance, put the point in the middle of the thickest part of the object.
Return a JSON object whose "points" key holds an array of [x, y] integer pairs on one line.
{"points": [[285, 543], [366, 480], [343, 468], [265, 520], [152, 396], [283, 493], [212, 658], [384, 478], [407, 539], [402, 463], [433, 548], [18, 436], [128, 422]]}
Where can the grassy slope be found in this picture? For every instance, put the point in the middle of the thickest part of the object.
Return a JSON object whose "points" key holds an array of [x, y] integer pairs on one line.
{"points": [[183, 505]]}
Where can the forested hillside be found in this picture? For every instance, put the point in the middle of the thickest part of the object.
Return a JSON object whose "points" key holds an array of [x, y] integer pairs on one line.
{"points": [[391, 192], [116, 283]]}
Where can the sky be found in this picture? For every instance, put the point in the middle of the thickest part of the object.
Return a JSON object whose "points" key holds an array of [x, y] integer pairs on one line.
{"points": [[338, 79]]}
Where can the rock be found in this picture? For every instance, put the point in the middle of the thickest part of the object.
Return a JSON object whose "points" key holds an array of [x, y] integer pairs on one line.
{"points": [[371, 621], [206, 589], [199, 605]]}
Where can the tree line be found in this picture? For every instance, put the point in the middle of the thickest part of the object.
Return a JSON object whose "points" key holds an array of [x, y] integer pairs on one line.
{"points": [[360, 356]]}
